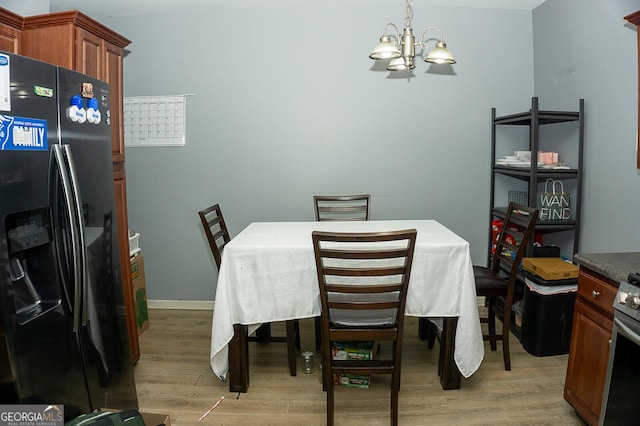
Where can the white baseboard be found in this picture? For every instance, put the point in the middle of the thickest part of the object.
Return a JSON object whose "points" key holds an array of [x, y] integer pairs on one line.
{"points": [[181, 304]]}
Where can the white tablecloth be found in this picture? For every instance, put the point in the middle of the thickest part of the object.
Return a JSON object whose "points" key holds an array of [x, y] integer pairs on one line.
{"points": [[268, 274]]}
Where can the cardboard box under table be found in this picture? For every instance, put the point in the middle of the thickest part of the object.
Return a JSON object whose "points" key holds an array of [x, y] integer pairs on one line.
{"points": [[547, 315], [139, 292], [353, 351]]}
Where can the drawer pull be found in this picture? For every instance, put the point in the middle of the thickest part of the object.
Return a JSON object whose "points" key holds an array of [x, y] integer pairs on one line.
{"points": [[595, 294]]}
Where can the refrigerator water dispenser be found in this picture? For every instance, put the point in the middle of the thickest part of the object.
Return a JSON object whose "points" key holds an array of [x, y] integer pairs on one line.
{"points": [[30, 263]]}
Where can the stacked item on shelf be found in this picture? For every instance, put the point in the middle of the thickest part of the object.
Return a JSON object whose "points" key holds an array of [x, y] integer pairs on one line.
{"points": [[496, 227], [546, 159], [138, 282], [547, 311], [509, 161], [353, 351], [134, 243]]}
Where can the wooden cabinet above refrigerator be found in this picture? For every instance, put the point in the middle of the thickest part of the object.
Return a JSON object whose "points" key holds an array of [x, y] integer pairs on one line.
{"points": [[75, 41], [10, 31]]}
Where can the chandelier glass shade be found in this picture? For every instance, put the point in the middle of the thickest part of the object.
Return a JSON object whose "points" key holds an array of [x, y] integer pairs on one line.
{"points": [[399, 50]]}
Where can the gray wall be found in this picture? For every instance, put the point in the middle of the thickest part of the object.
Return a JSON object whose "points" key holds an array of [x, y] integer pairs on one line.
{"points": [[287, 104], [586, 50], [26, 8], [277, 116]]}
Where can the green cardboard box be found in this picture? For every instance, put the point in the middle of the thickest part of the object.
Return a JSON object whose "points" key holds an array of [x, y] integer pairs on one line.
{"points": [[354, 350], [139, 292], [352, 380]]}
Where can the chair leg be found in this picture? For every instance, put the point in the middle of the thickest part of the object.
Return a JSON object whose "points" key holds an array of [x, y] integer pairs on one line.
{"points": [[330, 402], [505, 341], [291, 346], [318, 325], [395, 387], [505, 351], [397, 375], [327, 384], [423, 328], [263, 333], [432, 334], [396, 379], [492, 321], [427, 331], [297, 331]]}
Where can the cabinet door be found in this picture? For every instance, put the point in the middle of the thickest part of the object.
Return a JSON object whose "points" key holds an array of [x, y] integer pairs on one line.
{"points": [[88, 54], [587, 367], [113, 66], [9, 39]]}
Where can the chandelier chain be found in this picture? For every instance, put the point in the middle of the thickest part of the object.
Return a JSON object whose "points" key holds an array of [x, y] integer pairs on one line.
{"points": [[409, 18]]}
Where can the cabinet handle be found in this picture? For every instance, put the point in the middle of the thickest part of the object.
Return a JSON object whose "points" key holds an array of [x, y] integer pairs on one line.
{"points": [[595, 293]]}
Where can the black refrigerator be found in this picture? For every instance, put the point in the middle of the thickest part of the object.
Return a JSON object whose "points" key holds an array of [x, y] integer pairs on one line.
{"points": [[63, 334]]}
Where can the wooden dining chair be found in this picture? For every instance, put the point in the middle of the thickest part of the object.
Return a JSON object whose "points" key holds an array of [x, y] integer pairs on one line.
{"points": [[363, 280], [337, 208], [217, 234], [498, 281], [342, 207]]}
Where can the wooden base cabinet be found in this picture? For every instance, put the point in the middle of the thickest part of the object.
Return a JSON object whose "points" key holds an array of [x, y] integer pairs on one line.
{"points": [[73, 40], [589, 351]]}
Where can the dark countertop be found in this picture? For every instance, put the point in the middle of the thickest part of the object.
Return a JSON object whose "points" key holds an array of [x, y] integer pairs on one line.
{"points": [[615, 266]]}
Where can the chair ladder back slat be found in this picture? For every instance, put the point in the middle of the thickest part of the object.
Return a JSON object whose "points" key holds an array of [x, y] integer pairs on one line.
{"points": [[373, 288], [373, 272], [363, 305], [382, 254]]}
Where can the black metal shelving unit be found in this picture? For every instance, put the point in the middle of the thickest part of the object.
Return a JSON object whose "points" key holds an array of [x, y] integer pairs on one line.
{"points": [[533, 175]]}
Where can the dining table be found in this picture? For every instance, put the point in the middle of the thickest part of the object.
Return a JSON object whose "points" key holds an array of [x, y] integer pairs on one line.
{"points": [[268, 274]]}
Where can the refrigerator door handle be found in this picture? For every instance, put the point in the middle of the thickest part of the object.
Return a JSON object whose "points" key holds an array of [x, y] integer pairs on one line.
{"points": [[82, 258], [88, 304], [73, 230]]}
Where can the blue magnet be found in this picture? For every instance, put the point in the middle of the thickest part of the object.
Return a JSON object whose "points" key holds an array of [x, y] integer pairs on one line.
{"points": [[76, 100]]}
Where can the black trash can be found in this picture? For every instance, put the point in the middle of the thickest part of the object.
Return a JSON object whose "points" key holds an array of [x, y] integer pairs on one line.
{"points": [[547, 315]]}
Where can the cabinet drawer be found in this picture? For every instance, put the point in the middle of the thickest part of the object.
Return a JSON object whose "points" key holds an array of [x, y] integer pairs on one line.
{"points": [[596, 291]]}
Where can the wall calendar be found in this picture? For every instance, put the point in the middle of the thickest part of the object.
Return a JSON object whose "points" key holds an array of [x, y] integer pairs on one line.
{"points": [[152, 121]]}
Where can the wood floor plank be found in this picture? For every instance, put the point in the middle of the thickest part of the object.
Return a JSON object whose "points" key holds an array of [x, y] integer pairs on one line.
{"points": [[173, 376]]}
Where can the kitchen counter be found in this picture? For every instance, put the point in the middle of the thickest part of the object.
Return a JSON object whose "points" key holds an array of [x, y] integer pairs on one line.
{"points": [[615, 266]]}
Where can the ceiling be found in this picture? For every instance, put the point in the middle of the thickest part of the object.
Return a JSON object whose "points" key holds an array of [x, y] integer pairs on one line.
{"points": [[108, 8]]}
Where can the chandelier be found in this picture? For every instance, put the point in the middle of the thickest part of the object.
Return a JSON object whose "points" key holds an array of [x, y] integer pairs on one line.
{"points": [[400, 51]]}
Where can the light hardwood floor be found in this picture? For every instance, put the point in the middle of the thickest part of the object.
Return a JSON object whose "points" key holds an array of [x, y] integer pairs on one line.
{"points": [[173, 376]]}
